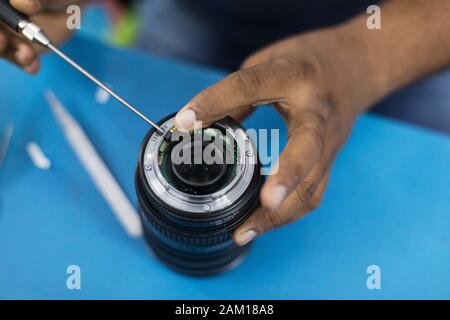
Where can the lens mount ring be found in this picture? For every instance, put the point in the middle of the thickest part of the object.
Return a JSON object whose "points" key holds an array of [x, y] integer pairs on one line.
{"points": [[200, 204], [185, 235]]}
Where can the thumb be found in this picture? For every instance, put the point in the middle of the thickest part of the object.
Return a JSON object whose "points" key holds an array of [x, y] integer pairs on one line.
{"points": [[257, 85]]}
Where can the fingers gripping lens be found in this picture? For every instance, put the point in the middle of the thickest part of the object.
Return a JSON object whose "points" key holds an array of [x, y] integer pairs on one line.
{"points": [[194, 190]]}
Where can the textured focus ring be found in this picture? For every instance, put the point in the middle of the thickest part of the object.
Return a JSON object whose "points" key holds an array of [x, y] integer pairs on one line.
{"points": [[202, 241]]}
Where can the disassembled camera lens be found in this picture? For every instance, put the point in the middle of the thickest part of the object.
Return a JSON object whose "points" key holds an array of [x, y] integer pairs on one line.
{"points": [[194, 190]]}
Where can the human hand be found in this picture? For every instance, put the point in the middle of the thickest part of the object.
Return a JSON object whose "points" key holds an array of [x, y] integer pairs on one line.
{"points": [[50, 15], [319, 83]]}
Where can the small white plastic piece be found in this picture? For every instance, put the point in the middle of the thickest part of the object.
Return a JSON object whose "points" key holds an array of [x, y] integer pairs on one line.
{"points": [[101, 96], [38, 157]]}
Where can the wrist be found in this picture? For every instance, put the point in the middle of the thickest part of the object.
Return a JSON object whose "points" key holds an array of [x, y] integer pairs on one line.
{"points": [[346, 65], [360, 73]]}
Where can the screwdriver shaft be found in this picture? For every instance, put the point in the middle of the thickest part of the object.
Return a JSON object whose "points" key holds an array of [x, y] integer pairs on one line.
{"points": [[103, 86]]}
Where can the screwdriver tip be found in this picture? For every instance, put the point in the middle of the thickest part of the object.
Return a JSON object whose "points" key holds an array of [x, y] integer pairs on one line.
{"points": [[168, 136]]}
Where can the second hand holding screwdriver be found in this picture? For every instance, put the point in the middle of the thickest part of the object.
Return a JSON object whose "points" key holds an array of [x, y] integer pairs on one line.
{"points": [[34, 33]]}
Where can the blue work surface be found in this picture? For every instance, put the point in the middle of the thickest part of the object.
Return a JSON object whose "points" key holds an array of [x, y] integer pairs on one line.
{"points": [[387, 203]]}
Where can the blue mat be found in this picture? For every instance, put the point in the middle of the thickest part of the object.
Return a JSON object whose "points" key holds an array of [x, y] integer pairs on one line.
{"points": [[387, 203]]}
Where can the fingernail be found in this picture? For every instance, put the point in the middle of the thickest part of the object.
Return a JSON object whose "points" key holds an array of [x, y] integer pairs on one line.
{"points": [[245, 237], [277, 195], [185, 119]]}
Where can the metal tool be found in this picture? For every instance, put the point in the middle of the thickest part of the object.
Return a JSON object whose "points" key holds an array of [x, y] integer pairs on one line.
{"points": [[34, 33]]}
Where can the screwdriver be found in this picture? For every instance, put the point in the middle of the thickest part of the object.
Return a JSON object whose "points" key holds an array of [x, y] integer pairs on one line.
{"points": [[20, 23]]}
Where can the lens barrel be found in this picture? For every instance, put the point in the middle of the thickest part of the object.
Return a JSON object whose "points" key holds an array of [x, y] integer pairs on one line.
{"points": [[187, 228]]}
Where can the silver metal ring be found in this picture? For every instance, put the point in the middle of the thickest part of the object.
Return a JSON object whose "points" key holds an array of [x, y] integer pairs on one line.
{"points": [[247, 158]]}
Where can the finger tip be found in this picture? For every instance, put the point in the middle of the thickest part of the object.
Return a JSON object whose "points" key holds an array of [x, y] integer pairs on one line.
{"points": [[273, 195], [244, 236], [185, 119], [25, 55], [33, 68]]}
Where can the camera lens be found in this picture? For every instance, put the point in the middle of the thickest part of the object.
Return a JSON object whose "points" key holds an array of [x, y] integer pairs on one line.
{"points": [[194, 190]]}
